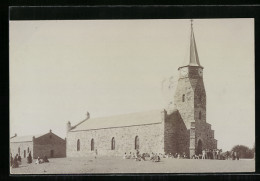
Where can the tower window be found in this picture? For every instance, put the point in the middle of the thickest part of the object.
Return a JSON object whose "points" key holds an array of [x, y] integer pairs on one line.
{"points": [[113, 144], [183, 98], [78, 145], [92, 144], [200, 115], [136, 143]]}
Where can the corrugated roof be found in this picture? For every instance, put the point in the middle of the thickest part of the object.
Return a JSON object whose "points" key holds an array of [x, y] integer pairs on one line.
{"points": [[132, 119], [24, 138]]}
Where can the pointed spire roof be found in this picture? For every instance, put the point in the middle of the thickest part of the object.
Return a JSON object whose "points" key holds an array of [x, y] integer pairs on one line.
{"points": [[193, 57]]}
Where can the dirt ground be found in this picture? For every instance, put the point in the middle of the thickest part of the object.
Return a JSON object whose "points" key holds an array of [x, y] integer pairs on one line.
{"points": [[90, 165]]}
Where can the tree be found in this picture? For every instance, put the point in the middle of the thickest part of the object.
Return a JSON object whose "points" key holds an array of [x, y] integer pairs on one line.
{"points": [[243, 151]]}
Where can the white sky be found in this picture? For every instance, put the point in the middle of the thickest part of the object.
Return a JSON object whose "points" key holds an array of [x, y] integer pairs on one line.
{"points": [[59, 70]]}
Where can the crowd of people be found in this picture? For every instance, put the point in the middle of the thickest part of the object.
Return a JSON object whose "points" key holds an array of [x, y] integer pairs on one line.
{"points": [[214, 154], [233, 155], [17, 160], [155, 157]]}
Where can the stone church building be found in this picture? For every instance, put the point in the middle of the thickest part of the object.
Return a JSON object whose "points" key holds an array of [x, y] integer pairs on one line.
{"points": [[48, 144], [183, 129]]}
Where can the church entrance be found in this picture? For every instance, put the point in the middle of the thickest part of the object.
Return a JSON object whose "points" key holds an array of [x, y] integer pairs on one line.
{"points": [[52, 153], [199, 147]]}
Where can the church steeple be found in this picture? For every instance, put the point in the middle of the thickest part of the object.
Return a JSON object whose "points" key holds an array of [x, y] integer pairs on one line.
{"points": [[194, 58]]}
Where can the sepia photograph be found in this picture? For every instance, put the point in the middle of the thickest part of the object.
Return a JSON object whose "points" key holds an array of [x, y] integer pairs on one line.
{"points": [[132, 96]]}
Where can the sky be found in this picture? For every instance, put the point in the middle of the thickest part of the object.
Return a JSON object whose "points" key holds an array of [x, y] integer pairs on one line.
{"points": [[61, 69]]}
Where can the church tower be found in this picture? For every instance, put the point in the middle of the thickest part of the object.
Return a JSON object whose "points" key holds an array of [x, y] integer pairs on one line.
{"points": [[190, 96], [190, 101]]}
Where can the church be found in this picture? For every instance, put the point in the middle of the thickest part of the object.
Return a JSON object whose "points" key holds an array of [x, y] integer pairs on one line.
{"points": [[183, 129], [48, 144]]}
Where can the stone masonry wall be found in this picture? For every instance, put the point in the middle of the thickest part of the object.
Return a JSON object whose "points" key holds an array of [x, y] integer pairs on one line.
{"points": [[186, 108], [150, 136], [206, 135], [24, 146], [43, 145], [176, 135], [200, 102]]}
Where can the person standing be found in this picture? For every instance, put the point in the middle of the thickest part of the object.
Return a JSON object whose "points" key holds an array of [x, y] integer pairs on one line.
{"points": [[232, 155], [235, 155], [11, 159], [227, 155], [217, 154], [203, 154], [15, 164], [29, 158]]}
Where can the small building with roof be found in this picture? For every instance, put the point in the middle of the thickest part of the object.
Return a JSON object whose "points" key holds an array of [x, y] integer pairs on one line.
{"points": [[183, 129], [48, 144]]}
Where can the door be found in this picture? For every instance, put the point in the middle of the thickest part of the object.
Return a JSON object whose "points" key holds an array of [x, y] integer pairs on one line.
{"points": [[199, 148], [52, 153]]}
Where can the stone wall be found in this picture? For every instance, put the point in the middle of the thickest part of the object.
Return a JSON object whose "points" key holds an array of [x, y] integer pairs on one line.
{"points": [[186, 108], [24, 147], [150, 136], [206, 135], [200, 102], [43, 145], [176, 135]]}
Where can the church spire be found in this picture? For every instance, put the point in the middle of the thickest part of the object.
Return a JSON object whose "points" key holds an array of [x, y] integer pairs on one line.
{"points": [[194, 58]]}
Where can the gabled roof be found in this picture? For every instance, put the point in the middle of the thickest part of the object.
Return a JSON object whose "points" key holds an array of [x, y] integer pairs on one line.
{"points": [[132, 119], [24, 138]]}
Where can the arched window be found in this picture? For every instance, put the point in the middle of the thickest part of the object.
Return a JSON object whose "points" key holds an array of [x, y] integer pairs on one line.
{"points": [[92, 144], [183, 98], [78, 145], [200, 115], [113, 144], [19, 151], [136, 143]]}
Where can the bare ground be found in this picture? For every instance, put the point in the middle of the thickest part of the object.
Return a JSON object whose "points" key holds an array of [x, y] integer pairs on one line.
{"points": [[90, 165]]}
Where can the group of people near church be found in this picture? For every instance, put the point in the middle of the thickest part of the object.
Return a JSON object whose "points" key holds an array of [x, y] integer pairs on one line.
{"points": [[41, 160], [155, 157], [233, 155], [17, 160], [213, 154]]}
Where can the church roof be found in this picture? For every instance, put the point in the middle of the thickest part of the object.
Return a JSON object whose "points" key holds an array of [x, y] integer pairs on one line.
{"points": [[24, 138], [131, 119], [194, 57]]}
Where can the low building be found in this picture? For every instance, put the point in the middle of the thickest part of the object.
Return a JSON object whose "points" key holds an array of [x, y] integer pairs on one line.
{"points": [[47, 144]]}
